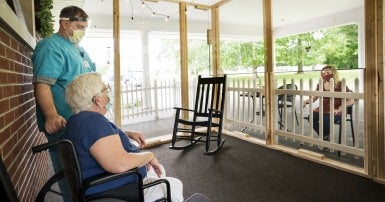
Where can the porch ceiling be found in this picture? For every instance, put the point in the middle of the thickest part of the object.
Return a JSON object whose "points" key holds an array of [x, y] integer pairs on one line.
{"points": [[243, 17]]}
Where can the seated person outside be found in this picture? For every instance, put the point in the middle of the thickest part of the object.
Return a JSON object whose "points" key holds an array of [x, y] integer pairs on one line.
{"points": [[103, 147], [327, 73]]}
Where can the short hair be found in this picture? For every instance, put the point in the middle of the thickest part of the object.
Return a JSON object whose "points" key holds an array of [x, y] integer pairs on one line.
{"points": [[82, 90], [73, 11]]}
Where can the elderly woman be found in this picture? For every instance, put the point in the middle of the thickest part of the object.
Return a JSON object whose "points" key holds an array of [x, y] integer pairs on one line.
{"points": [[103, 147], [327, 73]]}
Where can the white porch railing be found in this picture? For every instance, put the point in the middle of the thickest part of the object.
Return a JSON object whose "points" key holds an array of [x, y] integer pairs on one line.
{"points": [[141, 102], [245, 104], [245, 110]]}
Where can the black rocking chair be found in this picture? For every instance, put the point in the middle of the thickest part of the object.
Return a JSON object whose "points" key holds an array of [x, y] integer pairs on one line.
{"points": [[207, 114]]}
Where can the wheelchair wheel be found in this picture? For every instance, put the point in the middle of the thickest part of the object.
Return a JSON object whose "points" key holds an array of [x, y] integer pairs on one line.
{"points": [[48, 186]]}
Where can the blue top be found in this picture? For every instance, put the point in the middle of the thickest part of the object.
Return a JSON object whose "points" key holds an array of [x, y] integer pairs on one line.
{"points": [[56, 61], [84, 129]]}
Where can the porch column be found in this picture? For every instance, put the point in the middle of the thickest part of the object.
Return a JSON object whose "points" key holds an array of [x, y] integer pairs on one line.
{"points": [[183, 57], [146, 67], [116, 34], [215, 41], [374, 90], [269, 71]]}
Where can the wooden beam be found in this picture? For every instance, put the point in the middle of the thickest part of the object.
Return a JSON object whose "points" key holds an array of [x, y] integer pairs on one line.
{"points": [[195, 5], [183, 57], [215, 69], [269, 70], [221, 3], [381, 59], [116, 35], [374, 89]]}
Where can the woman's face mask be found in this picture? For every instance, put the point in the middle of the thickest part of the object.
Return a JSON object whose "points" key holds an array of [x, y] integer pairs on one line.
{"points": [[327, 77], [108, 106], [327, 74]]}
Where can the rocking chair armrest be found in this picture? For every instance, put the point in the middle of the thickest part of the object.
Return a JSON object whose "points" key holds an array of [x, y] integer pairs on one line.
{"points": [[183, 109], [106, 177], [216, 111]]}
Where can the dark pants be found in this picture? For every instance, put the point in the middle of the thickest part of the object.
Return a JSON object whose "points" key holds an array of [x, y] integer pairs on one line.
{"points": [[56, 164], [326, 123]]}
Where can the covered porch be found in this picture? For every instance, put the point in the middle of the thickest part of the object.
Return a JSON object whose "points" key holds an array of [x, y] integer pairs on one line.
{"points": [[270, 132]]}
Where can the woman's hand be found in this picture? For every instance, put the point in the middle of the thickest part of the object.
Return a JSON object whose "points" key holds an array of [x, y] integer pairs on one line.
{"points": [[154, 164], [338, 111], [138, 137]]}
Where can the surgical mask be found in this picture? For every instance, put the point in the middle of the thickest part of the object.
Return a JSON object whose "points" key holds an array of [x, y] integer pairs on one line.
{"points": [[77, 36], [327, 77], [108, 106]]}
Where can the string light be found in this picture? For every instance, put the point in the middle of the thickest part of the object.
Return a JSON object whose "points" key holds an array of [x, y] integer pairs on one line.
{"points": [[153, 13]]}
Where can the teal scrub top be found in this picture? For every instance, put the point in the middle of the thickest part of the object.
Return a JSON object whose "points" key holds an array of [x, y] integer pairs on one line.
{"points": [[56, 61]]}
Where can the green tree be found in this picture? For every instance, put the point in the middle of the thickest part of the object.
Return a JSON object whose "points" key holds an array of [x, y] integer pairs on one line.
{"points": [[198, 56], [238, 55], [340, 46], [296, 50]]}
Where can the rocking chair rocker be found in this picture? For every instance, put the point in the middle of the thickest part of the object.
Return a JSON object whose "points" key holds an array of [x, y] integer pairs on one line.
{"points": [[208, 114]]}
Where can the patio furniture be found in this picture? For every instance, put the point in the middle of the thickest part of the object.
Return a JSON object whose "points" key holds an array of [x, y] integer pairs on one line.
{"points": [[286, 100], [207, 115]]}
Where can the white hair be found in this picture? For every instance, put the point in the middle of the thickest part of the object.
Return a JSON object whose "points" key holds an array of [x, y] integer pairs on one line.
{"points": [[82, 90]]}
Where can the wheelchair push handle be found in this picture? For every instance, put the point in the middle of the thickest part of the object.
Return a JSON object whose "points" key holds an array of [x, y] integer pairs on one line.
{"points": [[43, 147]]}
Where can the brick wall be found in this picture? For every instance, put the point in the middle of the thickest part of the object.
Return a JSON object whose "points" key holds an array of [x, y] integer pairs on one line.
{"points": [[18, 129]]}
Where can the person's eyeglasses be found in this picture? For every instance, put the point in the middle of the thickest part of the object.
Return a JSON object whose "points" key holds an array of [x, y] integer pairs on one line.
{"points": [[106, 89]]}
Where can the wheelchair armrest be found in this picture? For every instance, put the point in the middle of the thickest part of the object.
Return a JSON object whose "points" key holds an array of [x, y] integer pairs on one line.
{"points": [[160, 181], [106, 177]]}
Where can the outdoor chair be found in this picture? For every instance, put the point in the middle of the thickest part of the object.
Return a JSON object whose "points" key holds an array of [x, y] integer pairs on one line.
{"points": [[206, 116], [349, 118], [78, 186], [288, 102]]}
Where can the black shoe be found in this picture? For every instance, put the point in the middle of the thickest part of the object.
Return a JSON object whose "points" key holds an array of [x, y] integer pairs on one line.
{"points": [[326, 138]]}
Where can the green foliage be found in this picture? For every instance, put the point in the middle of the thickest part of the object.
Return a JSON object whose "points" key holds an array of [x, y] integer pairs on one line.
{"points": [[44, 18], [341, 47], [335, 46], [235, 55], [295, 50], [198, 56], [230, 55]]}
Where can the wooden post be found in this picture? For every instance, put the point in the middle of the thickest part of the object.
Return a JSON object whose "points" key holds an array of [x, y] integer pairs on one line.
{"points": [[269, 71], [215, 70], [374, 90], [183, 57], [116, 33]]}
